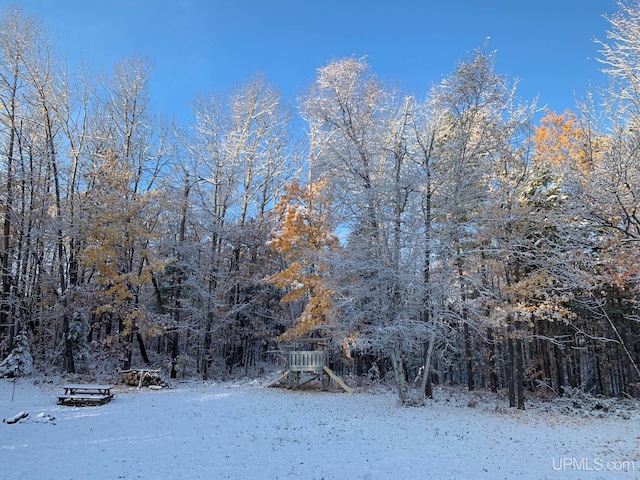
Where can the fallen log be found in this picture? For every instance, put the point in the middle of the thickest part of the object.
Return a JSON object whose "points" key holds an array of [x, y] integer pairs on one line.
{"points": [[16, 418]]}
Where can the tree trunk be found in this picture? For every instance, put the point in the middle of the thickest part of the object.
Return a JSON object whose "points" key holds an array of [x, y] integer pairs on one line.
{"points": [[510, 373], [206, 349], [5, 255], [400, 376], [179, 280], [425, 385], [493, 371], [519, 377], [58, 200], [174, 353], [68, 362], [143, 350], [559, 369], [468, 353]]}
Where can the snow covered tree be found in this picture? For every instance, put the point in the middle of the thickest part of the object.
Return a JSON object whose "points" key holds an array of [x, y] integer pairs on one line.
{"points": [[481, 161], [242, 159], [122, 203], [73, 346], [19, 363], [474, 97], [620, 60], [16, 37], [27, 98], [605, 196], [117, 248], [360, 136], [428, 130]]}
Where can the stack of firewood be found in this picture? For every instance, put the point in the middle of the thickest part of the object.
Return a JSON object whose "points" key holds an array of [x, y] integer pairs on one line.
{"points": [[132, 378]]}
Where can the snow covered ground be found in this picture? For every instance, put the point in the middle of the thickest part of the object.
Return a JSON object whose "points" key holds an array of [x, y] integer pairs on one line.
{"points": [[240, 430]]}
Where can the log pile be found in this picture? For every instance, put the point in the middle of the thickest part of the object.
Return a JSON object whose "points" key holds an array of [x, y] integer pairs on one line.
{"points": [[133, 377]]}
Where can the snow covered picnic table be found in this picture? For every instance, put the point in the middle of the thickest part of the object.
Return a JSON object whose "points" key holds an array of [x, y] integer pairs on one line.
{"points": [[81, 394]]}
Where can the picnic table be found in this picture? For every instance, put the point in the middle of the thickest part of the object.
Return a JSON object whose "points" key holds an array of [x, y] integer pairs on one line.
{"points": [[82, 394]]}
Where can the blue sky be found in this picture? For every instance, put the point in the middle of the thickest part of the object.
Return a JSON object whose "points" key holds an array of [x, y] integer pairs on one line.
{"points": [[198, 46]]}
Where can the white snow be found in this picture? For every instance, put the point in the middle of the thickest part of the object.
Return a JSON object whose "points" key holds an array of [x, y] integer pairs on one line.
{"points": [[243, 431]]}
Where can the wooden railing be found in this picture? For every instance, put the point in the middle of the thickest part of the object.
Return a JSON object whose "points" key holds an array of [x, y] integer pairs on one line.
{"points": [[307, 361]]}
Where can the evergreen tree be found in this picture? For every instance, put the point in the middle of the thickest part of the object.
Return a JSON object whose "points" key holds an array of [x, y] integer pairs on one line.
{"points": [[19, 363]]}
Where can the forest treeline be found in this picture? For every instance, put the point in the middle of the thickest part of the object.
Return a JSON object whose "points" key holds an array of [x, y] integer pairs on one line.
{"points": [[463, 237]]}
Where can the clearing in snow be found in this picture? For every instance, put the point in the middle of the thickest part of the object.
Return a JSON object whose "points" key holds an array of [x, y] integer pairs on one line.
{"points": [[241, 430]]}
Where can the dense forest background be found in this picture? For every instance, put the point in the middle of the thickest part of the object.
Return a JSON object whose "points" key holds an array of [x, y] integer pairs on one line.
{"points": [[464, 237]]}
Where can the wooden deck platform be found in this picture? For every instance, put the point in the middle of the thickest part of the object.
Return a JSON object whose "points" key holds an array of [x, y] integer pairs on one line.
{"points": [[314, 365]]}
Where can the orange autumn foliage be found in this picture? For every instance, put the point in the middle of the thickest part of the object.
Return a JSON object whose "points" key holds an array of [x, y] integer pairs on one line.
{"points": [[560, 139], [303, 240]]}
